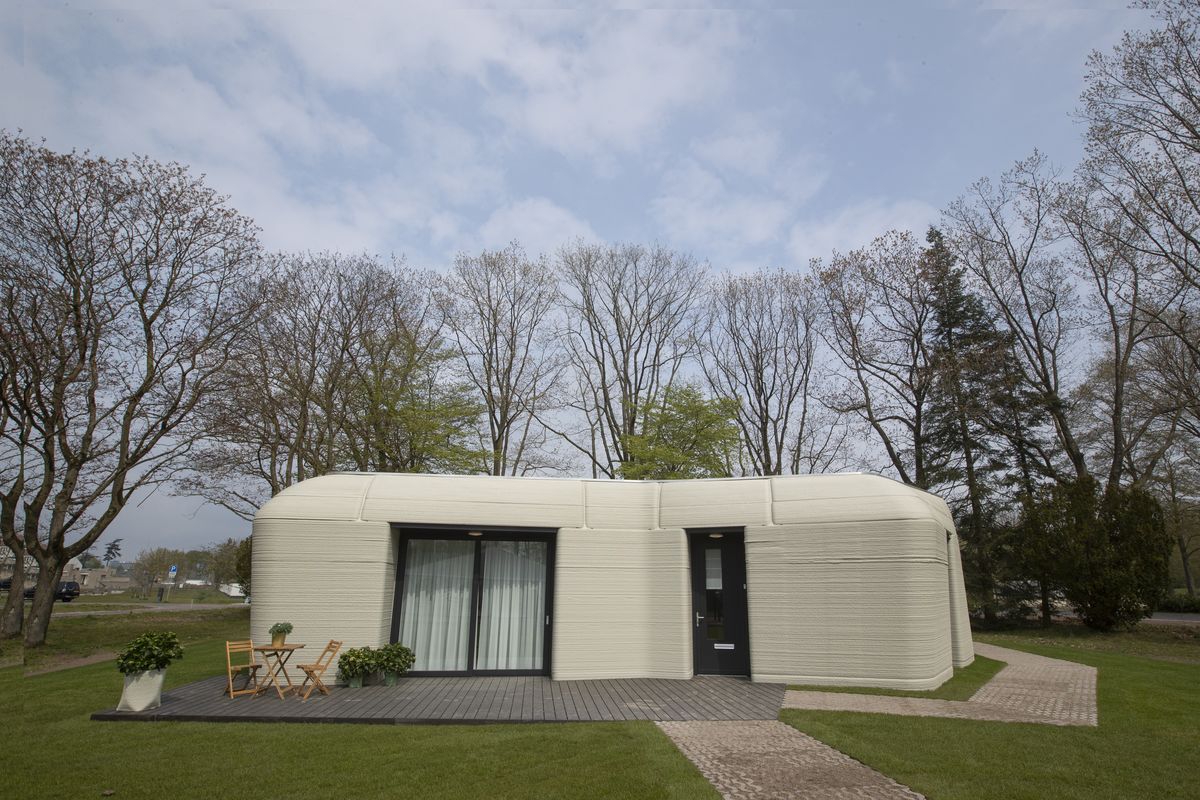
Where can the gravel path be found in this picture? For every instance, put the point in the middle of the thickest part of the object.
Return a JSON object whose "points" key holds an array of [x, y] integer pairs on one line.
{"points": [[146, 609], [1030, 688]]}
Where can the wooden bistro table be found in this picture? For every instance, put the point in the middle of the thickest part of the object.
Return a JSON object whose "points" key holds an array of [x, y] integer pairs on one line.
{"points": [[276, 659]]}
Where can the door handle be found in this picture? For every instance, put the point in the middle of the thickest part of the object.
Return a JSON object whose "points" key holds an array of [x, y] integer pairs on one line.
{"points": [[698, 618]]}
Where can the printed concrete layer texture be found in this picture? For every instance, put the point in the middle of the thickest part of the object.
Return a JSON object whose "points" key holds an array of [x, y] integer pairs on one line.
{"points": [[621, 605], [852, 578], [761, 759], [1031, 688]]}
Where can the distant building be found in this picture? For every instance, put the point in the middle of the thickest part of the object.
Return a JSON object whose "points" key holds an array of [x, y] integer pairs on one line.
{"points": [[8, 561]]}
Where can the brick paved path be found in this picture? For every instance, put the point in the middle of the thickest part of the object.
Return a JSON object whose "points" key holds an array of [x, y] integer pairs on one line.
{"points": [[764, 760], [1030, 688], [769, 759]]}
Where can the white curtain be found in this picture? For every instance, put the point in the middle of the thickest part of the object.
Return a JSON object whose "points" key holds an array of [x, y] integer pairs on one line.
{"points": [[435, 614], [511, 621]]}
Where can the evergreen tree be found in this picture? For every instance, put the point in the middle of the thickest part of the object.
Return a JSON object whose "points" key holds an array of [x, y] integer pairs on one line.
{"points": [[1109, 549], [967, 352]]}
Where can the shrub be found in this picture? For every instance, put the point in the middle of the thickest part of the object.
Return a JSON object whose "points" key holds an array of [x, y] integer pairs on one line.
{"points": [[395, 658], [1114, 551], [1180, 604], [280, 627], [357, 661], [149, 651]]}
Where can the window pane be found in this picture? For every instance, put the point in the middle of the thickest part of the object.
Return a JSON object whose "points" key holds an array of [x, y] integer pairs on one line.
{"points": [[512, 614], [714, 614], [435, 614], [712, 568]]}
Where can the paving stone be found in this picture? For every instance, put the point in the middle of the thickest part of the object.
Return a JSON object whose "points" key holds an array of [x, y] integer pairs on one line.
{"points": [[764, 760], [1030, 688]]}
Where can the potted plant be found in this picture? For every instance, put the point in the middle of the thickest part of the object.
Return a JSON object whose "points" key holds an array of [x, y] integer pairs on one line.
{"points": [[355, 663], [279, 632], [393, 660], [144, 662]]}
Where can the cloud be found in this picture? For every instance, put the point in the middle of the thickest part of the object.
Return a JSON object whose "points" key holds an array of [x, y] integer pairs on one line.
{"points": [[851, 88], [540, 225], [1030, 23], [736, 193], [577, 84], [697, 207], [618, 87], [745, 146], [856, 225], [899, 75]]}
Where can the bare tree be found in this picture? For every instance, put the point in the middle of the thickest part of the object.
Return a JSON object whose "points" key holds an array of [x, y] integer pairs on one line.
{"points": [[1119, 277], [278, 423], [497, 308], [405, 408], [878, 317], [1005, 234], [1178, 488], [348, 370], [760, 349], [630, 323], [123, 300], [1142, 107]]}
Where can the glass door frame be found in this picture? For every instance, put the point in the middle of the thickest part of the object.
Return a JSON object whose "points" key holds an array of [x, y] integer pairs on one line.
{"points": [[406, 532]]}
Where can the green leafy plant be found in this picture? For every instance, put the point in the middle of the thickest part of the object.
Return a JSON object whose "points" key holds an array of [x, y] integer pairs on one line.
{"points": [[149, 651], [357, 661], [1180, 603], [278, 628], [394, 658]]}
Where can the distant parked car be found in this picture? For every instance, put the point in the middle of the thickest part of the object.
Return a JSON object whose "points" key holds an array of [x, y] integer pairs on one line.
{"points": [[5, 584], [66, 591]]}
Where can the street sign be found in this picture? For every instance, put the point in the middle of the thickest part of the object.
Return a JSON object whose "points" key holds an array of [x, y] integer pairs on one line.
{"points": [[174, 571]]}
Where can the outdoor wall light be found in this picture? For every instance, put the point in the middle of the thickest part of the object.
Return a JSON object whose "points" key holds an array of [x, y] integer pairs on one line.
{"points": [[715, 535], [474, 533]]}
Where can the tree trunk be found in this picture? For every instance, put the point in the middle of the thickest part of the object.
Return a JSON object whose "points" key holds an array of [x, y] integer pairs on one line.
{"points": [[43, 602], [1187, 568], [12, 622], [1047, 611]]}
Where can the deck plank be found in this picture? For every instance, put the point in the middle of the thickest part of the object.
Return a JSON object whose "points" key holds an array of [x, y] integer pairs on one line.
{"points": [[478, 700]]}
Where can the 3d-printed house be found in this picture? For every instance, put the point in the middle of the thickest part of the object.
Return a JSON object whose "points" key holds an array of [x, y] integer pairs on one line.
{"points": [[828, 579]]}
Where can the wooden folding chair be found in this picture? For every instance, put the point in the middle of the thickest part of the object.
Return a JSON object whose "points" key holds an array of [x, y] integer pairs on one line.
{"points": [[250, 668], [313, 672]]}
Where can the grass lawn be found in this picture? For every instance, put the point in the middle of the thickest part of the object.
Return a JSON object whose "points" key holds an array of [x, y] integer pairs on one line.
{"points": [[964, 683], [69, 755], [1147, 744], [1151, 640], [71, 638]]}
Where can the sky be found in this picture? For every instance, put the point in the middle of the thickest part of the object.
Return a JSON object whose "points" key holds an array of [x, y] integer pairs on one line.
{"points": [[766, 135]]}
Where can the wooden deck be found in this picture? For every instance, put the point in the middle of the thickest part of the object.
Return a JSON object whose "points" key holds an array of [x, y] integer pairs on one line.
{"points": [[477, 700]]}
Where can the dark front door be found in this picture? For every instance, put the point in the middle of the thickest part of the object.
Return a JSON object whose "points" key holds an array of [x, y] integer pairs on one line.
{"points": [[720, 632]]}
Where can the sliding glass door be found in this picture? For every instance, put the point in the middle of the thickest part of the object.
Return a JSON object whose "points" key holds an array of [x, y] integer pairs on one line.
{"points": [[436, 623], [475, 603], [513, 606]]}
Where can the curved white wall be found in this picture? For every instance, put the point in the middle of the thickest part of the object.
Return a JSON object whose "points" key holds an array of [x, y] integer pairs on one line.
{"points": [[852, 579]]}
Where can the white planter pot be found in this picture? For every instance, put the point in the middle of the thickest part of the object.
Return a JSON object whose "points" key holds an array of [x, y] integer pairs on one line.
{"points": [[143, 690]]}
